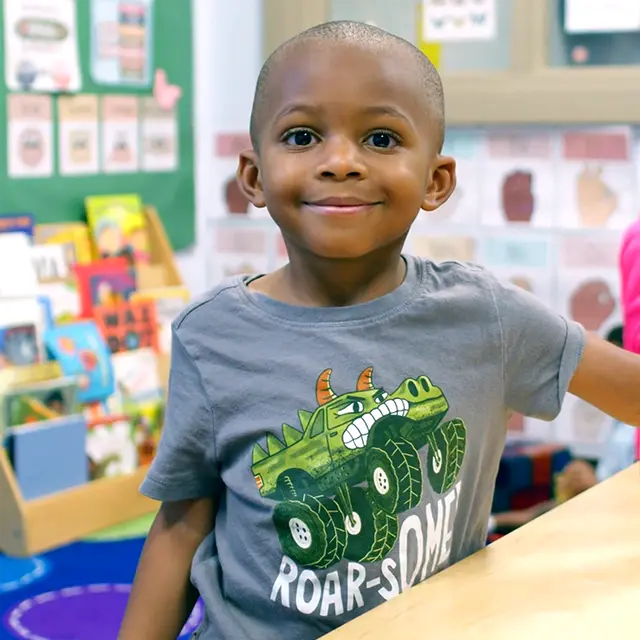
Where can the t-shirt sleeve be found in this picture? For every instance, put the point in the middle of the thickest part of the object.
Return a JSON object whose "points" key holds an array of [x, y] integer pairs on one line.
{"points": [[184, 466], [540, 352]]}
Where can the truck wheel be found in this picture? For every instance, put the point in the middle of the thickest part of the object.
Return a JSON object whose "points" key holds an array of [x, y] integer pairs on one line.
{"points": [[372, 532], [311, 531], [446, 452], [295, 484], [394, 476]]}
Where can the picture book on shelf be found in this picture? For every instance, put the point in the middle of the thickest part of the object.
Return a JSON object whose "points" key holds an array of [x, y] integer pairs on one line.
{"points": [[49, 262], [19, 345], [169, 303], [110, 447], [22, 324], [72, 236], [17, 274], [81, 351], [129, 325], [30, 374], [139, 386], [62, 300], [46, 400], [49, 456], [105, 282], [17, 223], [119, 227]]}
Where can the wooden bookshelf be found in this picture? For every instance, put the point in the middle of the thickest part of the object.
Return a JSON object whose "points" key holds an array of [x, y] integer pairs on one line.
{"points": [[28, 527]]}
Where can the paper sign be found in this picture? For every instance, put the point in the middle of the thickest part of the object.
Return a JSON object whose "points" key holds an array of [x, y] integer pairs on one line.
{"points": [[588, 281], [239, 251], [120, 134], [78, 134], [41, 48], [251, 241], [515, 252], [229, 145], [122, 42], [30, 136], [443, 248], [456, 20], [601, 16], [596, 180], [518, 181], [159, 137]]}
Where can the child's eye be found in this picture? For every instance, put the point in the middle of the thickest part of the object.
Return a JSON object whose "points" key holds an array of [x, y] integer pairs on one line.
{"points": [[382, 140], [300, 138]]}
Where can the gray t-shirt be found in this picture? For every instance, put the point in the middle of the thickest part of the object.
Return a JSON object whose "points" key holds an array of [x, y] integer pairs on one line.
{"points": [[354, 449]]}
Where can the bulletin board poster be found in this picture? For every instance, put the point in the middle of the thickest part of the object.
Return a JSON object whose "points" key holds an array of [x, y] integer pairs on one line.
{"points": [[96, 98]]}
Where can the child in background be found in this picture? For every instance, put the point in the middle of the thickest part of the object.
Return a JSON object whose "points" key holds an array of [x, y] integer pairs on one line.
{"points": [[400, 372], [630, 277]]}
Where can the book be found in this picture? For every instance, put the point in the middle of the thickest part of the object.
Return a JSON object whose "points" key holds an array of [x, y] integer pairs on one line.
{"points": [[17, 223], [169, 303], [104, 283], [81, 351], [119, 227], [129, 325], [49, 456], [74, 237], [17, 275], [22, 323], [45, 400]]}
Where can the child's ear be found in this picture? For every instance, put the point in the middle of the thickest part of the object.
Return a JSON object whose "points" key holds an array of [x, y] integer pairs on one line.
{"points": [[441, 184], [248, 177]]}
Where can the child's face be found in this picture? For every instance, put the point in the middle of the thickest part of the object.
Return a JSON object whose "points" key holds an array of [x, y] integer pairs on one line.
{"points": [[345, 126]]}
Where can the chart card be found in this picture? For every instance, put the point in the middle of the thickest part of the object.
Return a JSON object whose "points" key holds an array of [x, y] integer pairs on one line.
{"points": [[78, 135]]}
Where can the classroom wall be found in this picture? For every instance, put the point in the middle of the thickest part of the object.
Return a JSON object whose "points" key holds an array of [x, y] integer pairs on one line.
{"points": [[227, 59]]}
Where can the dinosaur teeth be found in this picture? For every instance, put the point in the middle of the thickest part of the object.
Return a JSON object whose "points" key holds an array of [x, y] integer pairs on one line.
{"points": [[357, 433]]}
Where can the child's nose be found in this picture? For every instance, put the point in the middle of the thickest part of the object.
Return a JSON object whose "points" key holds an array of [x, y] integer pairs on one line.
{"points": [[341, 160]]}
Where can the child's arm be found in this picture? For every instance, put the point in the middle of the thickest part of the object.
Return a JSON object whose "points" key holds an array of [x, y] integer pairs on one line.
{"points": [[185, 478], [162, 596], [609, 378]]}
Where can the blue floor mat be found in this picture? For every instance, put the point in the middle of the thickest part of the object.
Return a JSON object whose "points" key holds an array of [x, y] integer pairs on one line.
{"points": [[77, 592]]}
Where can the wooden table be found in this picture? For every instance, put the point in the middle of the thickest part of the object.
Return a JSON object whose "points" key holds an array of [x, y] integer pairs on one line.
{"points": [[572, 573]]}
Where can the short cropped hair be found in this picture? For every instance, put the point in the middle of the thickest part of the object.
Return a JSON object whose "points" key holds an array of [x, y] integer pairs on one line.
{"points": [[359, 33]]}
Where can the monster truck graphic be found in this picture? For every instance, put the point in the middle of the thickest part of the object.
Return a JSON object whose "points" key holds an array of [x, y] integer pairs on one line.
{"points": [[343, 479]]}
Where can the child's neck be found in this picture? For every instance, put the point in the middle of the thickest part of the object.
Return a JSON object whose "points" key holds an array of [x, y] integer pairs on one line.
{"points": [[316, 282]]}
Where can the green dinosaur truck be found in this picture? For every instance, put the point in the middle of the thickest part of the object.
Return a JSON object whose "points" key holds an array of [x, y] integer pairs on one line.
{"points": [[342, 479]]}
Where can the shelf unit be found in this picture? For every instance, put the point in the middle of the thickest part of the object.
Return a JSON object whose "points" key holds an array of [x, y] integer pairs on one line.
{"points": [[530, 91], [28, 527]]}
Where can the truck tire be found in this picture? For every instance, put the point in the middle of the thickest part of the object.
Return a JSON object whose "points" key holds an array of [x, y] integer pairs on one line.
{"points": [[311, 531], [371, 532], [394, 476], [295, 484], [446, 452]]}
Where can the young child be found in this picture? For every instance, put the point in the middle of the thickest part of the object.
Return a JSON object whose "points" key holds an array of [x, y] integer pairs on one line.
{"points": [[334, 428]]}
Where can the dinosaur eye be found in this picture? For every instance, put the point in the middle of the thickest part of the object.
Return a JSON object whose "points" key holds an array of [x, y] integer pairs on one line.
{"points": [[380, 397], [354, 407]]}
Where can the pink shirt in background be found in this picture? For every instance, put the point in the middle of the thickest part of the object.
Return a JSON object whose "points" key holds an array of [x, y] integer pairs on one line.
{"points": [[630, 277]]}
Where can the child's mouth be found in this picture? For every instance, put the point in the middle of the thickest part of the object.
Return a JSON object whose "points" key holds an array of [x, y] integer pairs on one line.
{"points": [[340, 206]]}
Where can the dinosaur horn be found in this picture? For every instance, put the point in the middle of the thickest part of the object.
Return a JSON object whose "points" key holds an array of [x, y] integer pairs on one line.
{"points": [[324, 392], [365, 381]]}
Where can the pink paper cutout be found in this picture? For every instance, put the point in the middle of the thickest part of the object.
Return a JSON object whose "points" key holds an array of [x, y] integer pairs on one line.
{"points": [[165, 94]]}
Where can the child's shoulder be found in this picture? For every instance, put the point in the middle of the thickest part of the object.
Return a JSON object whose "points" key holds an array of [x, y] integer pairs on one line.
{"points": [[209, 308], [465, 276]]}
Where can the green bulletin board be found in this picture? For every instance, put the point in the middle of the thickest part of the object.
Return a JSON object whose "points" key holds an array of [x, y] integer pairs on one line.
{"points": [[59, 197]]}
